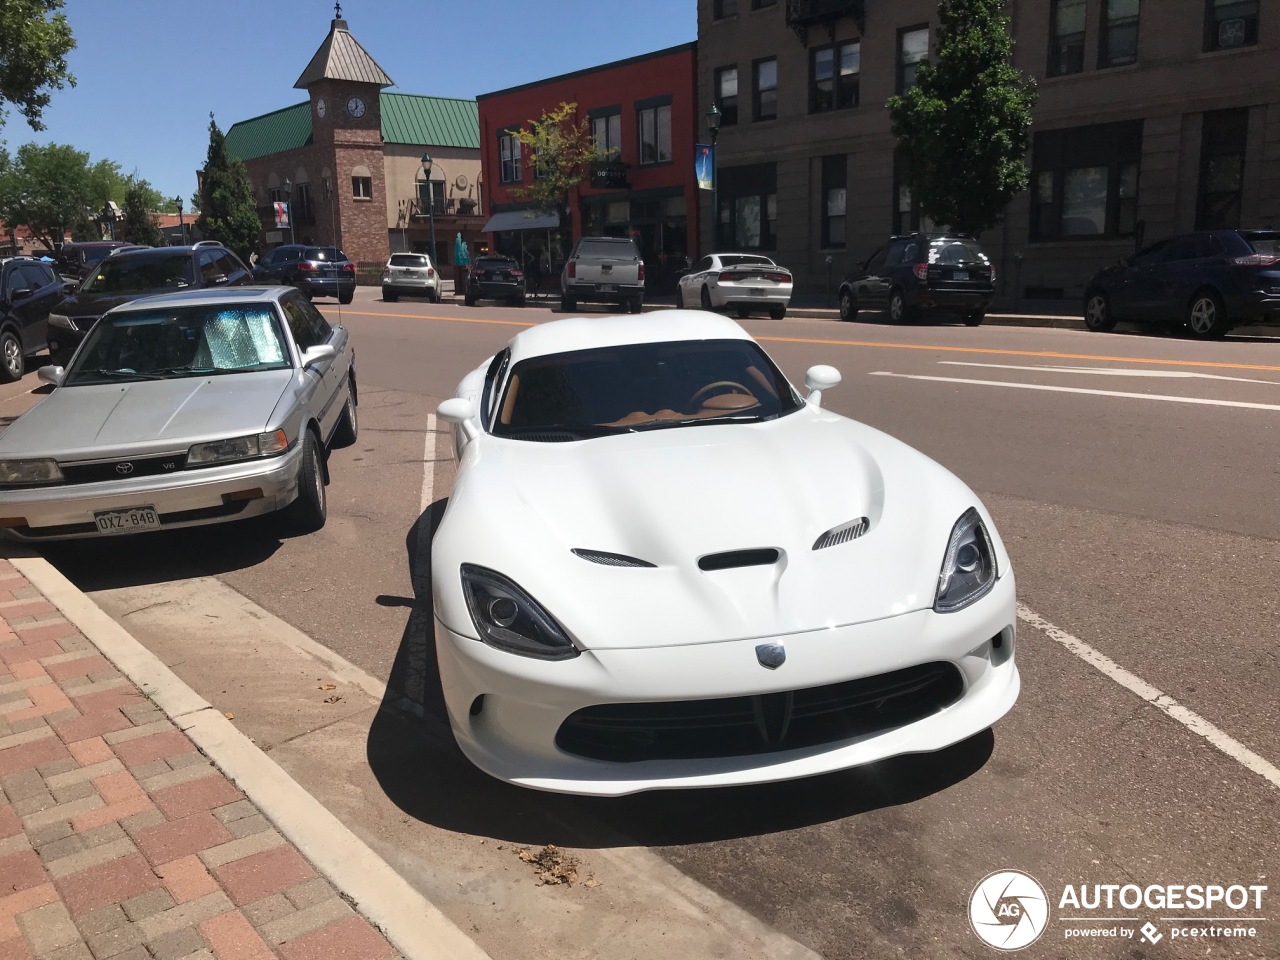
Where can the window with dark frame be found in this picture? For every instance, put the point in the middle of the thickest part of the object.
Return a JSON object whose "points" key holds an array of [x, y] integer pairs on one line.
{"points": [[1084, 182], [606, 130], [761, 4], [913, 50], [724, 8], [362, 188], [835, 179], [1118, 40], [1230, 24], [765, 89], [727, 95], [748, 207], [1223, 138], [302, 209], [508, 157], [654, 123], [1066, 37], [907, 217], [833, 76]]}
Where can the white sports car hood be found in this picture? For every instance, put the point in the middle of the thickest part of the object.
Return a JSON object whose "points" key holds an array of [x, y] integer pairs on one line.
{"points": [[673, 496]]}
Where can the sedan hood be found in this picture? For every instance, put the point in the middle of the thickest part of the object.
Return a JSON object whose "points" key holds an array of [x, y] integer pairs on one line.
{"points": [[84, 422], [673, 497], [94, 305]]}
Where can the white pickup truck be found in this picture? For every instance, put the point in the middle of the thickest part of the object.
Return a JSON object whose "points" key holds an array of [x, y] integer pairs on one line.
{"points": [[603, 270]]}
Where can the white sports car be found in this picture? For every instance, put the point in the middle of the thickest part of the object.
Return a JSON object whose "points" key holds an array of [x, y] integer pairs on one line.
{"points": [[662, 567], [744, 282]]}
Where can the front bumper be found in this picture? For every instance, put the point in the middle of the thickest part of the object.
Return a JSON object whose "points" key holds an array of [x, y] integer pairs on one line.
{"points": [[194, 497], [513, 735]]}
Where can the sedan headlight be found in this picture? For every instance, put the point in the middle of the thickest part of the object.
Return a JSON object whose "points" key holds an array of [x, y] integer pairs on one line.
{"points": [[237, 448], [509, 619], [968, 567], [23, 473], [63, 321]]}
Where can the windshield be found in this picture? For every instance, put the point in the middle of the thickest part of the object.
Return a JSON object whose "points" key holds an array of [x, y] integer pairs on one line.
{"points": [[183, 342], [409, 260], [136, 274], [328, 254], [591, 393]]}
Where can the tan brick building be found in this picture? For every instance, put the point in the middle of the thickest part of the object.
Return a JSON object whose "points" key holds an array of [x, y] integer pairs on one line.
{"points": [[1155, 116], [349, 161]]}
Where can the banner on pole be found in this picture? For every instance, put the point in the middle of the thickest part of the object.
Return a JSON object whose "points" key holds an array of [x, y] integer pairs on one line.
{"points": [[705, 165], [282, 214]]}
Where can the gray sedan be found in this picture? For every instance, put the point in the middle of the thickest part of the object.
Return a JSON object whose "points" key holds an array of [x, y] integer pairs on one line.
{"points": [[180, 410]]}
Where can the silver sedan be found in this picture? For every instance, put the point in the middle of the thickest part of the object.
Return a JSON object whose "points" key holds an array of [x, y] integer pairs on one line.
{"points": [[744, 282], [180, 410]]}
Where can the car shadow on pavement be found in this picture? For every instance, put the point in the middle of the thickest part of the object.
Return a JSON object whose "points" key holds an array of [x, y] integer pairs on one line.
{"points": [[412, 753]]}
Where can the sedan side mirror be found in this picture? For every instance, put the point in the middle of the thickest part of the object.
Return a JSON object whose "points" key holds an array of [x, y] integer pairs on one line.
{"points": [[459, 411], [318, 354], [51, 374], [819, 378]]}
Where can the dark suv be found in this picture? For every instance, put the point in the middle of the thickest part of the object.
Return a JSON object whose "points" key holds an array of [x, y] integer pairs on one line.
{"points": [[75, 261], [29, 292], [1209, 281], [316, 271], [495, 278], [922, 273], [131, 274]]}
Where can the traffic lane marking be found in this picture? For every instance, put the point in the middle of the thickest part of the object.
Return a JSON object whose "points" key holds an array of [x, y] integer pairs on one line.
{"points": [[1096, 393], [990, 351], [1102, 371]]}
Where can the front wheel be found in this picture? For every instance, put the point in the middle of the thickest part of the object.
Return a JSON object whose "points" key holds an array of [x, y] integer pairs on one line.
{"points": [[1206, 316], [1097, 313], [12, 362], [308, 512], [848, 306]]}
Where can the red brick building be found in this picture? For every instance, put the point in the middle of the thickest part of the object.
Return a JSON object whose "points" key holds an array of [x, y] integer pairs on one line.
{"points": [[643, 111]]}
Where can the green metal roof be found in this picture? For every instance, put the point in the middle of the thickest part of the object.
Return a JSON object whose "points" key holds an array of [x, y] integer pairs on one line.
{"points": [[406, 118]]}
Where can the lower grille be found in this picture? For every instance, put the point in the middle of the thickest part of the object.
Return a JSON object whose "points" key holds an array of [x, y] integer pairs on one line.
{"points": [[746, 726]]}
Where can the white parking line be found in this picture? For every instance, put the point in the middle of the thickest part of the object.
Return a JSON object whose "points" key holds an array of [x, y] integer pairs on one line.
{"points": [[1096, 393], [1111, 372], [428, 465], [1161, 701]]}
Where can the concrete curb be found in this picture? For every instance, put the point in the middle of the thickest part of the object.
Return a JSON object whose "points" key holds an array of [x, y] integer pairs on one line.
{"points": [[414, 925]]}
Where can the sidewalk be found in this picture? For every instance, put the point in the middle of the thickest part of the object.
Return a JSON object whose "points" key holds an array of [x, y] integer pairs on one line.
{"points": [[119, 838]]}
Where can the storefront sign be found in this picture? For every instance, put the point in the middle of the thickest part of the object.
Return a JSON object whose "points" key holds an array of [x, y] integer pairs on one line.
{"points": [[609, 175]]}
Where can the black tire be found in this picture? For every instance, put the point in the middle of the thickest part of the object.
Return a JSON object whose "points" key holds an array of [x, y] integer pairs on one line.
{"points": [[348, 429], [12, 363], [311, 508], [346, 297], [389, 297], [679, 299], [1097, 312], [743, 312], [899, 312], [974, 318], [706, 299], [469, 300], [518, 301], [635, 306], [848, 306], [434, 295], [777, 313], [568, 304], [1206, 317]]}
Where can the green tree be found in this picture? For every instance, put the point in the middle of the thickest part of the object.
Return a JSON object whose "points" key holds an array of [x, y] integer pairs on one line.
{"points": [[561, 149], [228, 212], [139, 225], [47, 188], [35, 39], [963, 129]]}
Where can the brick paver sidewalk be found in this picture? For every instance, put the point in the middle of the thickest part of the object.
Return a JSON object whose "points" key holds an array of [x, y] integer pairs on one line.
{"points": [[119, 839]]}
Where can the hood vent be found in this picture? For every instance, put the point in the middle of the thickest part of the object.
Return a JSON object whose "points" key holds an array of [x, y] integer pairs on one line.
{"points": [[611, 559], [761, 557], [842, 534]]}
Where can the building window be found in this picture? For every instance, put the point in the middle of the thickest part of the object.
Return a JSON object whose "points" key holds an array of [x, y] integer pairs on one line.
{"points": [[606, 129], [362, 188], [906, 212], [1118, 43], [302, 209], [765, 89], [1230, 23], [509, 158], [833, 77], [748, 208], [727, 95], [655, 132], [1085, 182], [761, 4], [835, 178], [1222, 147], [913, 50], [1066, 37], [724, 8]]}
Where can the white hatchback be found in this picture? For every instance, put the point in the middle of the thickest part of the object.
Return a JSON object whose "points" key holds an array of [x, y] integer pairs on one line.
{"points": [[410, 275]]}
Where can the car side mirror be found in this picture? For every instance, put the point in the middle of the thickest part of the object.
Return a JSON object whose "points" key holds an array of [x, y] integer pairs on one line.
{"points": [[819, 378], [318, 354], [51, 374], [459, 411], [69, 287], [19, 293]]}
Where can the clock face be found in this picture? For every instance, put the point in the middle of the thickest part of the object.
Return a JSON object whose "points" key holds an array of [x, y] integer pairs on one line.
{"points": [[320, 108], [355, 107]]}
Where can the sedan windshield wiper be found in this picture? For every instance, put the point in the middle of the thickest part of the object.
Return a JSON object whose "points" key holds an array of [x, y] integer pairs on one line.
{"points": [[200, 371], [118, 374], [695, 421]]}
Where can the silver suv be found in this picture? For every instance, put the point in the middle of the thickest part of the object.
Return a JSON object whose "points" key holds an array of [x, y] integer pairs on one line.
{"points": [[410, 275]]}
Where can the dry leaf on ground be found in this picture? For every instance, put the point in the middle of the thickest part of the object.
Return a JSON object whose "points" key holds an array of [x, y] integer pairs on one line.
{"points": [[553, 866]]}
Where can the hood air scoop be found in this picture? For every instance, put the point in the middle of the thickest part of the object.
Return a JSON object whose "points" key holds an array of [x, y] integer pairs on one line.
{"points": [[611, 559], [842, 534], [761, 557]]}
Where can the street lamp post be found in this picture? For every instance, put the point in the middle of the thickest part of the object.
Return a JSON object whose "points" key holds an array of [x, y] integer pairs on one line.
{"points": [[431, 206], [109, 220], [713, 125], [182, 226], [288, 199]]}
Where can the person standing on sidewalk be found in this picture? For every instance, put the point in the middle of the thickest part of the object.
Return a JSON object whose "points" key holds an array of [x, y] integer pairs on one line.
{"points": [[461, 263]]}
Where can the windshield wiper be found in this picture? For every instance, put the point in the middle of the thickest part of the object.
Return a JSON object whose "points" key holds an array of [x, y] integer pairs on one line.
{"points": [[118, 374], [695, 421], [201, 371]]}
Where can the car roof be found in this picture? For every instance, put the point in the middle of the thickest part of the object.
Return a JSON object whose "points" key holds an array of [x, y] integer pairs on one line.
{"points": [[213, 296], [589, 333]]}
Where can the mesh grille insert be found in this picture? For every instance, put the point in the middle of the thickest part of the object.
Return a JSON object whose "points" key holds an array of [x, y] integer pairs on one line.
{"points": [[611, 559], [843, 533], [762, 557]]}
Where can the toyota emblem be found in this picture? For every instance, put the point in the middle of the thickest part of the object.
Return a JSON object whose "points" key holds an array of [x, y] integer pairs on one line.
{"points": [[124, 469]]}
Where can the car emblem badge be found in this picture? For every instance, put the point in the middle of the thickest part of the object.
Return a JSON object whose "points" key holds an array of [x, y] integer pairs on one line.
{"points": [[771, 655], [124, 469]]}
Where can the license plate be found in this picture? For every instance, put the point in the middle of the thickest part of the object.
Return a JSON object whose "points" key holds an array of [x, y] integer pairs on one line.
{"points": [[757, 292], [405, 272], [127, 521], [608, 288], [960, 275]]}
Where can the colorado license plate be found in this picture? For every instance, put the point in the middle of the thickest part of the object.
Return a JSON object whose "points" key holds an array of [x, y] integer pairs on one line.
{"points": [[131, 520]]}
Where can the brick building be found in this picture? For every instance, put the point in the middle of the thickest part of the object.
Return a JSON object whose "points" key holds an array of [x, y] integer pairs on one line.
{"points": [[1153, 118], [349, 160], [643, 113]]}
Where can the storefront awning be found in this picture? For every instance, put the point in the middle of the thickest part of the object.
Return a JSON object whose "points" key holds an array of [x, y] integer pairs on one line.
{"points": [[521, 220]]}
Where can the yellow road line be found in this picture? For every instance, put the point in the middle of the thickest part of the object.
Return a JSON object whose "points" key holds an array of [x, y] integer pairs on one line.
{"points": [[993, 351]]}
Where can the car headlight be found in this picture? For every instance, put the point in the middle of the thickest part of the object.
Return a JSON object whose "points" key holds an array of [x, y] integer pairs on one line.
{"points": [[22, 473], [63, 321], [509, 619], [238, 448], [968, 567]]}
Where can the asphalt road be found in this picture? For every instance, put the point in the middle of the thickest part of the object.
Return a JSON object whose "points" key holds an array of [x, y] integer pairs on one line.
{"points": [[1134, 479]]}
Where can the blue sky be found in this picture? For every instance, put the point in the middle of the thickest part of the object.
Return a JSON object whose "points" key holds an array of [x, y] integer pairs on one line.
{"points": [[149, 71]]}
